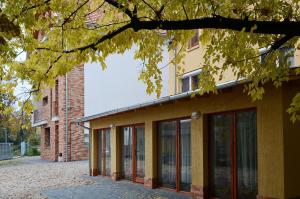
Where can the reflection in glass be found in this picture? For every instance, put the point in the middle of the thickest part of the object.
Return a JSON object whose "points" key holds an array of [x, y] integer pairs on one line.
{"points": [[246, 155], [140, 152], [100, 158], [185, 155], [167, 154], [220, 162], [104, 152], [126, 139], [107, 152]]}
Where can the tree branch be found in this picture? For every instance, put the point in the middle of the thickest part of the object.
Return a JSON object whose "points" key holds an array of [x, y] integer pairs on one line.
{"points": [[289, 28], [281, 41], [50, 67], [102, 39], [118, 5], [145, 2], [186, 15], [35, 6], [218, 22], [74, 12], [86, 15]]}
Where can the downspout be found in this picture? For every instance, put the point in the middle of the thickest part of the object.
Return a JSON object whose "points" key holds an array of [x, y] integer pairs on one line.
{"points": [[89, 151], [67, 115]]}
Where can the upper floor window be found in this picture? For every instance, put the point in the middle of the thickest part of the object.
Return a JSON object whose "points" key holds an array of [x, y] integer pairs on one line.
{"points": [[286, 55], [185, 84], [194, 41], [190, 81], [45, 101], [47, 139]]}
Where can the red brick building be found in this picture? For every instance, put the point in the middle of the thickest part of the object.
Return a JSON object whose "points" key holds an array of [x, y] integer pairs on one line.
{"points": [[59, 134]]}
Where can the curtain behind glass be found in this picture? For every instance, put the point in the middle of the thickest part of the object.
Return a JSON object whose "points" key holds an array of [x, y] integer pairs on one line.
{"points": [[127, 153], [246, 154], [185, 155], [220, 162], [140, 152], [107, 152], [100, 152], [167, 154]]}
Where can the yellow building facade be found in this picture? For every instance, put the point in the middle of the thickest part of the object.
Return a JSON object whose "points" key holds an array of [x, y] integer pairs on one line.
{"points": [[212, 146]]}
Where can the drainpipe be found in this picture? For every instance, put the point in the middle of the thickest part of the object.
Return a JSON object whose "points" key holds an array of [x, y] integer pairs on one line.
{"points": [[67, 115]]}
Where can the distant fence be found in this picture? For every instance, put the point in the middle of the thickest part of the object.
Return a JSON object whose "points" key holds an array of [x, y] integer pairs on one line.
{"points": [[6, 151]]}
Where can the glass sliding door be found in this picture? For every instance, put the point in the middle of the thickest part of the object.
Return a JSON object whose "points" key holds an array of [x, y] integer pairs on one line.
{"points": [[233, 155], [140, 152], [174, 154], [133, 153], [185, 155], [107, 152], [104, 152], [167, 154], [100, 152], [220, 158], [127, 153], [246, 155]]}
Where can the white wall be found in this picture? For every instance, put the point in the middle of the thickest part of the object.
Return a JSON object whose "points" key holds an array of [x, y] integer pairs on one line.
{"points": [[117, 86]]}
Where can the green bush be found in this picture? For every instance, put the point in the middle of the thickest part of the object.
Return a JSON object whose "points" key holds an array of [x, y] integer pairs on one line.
{"points": [[16, 150], [33, 151]]}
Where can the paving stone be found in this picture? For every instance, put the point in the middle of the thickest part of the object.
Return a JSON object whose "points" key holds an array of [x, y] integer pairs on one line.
{"points": [[104, 188]]}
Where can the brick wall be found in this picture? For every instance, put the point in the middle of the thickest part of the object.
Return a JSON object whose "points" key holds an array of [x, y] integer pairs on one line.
{"points": [[77, 150]]}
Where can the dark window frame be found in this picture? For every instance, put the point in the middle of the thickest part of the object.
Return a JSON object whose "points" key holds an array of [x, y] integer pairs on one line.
{"points": [[134, 176], [194, 41], [104, 132], [178, 158], [47, 138], [233, 148], [45, 100], [185, 84]]}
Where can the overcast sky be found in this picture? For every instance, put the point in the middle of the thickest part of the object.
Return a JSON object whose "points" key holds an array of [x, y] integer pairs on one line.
{"points": [[118, 86]]}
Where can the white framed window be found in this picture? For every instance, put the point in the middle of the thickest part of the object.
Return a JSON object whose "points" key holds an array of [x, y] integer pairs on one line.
{"points": [[285, 51], [190, 81]]}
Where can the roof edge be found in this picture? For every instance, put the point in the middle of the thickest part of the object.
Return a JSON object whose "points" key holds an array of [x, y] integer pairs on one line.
{"points": [[158, 101]]}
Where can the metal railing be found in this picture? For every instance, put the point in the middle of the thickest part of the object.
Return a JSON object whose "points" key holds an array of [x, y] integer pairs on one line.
{"points": [[6, 151]]}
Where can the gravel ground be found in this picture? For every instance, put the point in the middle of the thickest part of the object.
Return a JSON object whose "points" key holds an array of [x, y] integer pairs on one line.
{"points": [[27, 177]]}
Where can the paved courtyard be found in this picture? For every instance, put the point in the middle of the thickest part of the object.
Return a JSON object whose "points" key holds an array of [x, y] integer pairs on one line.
{"points": [[105, 188], [27, 177], [37, 179]]}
